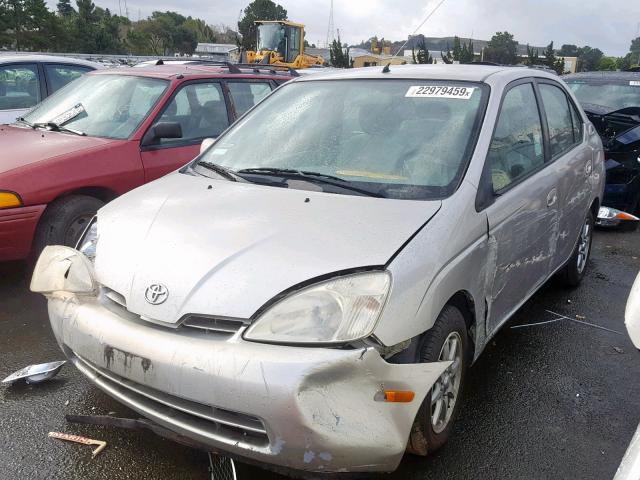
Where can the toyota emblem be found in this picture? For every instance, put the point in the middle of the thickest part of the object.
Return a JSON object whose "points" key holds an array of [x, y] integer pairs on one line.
{"points": [[156, 293]]}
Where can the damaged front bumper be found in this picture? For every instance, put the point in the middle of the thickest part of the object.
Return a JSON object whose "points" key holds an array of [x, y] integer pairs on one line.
{"points": [[310, 409]]}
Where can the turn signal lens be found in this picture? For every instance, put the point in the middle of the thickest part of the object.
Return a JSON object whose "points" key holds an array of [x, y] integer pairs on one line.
{"points": [[398, 396], [626, 216], [9, 200]]}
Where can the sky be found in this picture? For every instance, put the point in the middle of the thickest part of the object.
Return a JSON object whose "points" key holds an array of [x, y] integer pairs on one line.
{"points": [[607, 24]]}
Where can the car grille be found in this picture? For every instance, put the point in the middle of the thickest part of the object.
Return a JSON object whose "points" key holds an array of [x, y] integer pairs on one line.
{"points": [[212, 422], [225, 327]]}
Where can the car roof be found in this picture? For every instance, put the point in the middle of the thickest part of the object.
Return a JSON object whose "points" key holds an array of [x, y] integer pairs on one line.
{"points": [[454, 72], [14, 57], [603, 76], [194, 70]]}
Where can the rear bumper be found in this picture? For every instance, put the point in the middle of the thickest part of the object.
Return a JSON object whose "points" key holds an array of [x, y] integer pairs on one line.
{"points": [[17, 227], [306, 409]]}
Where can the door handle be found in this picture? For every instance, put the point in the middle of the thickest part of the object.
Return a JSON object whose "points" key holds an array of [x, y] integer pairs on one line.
{"points": [[552, 198]]}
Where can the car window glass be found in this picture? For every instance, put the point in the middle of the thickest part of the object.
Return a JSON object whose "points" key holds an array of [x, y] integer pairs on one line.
{"points": [[200, 110], [59, 75], [517, 147], [19, 86], [577, 125], [556, 106], [246, 94], [104, 105]]}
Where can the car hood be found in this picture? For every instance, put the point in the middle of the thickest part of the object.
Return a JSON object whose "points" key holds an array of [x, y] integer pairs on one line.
{"points": [[23, 147], [224, 248]]}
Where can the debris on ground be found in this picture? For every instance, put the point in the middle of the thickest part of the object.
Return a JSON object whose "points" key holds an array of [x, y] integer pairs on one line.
{"points": [[579, 319], [78, 439], [618, 350], [35, 373]]}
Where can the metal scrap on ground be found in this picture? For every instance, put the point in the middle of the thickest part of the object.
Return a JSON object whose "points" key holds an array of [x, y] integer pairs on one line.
{"points": [[78, 439], [35, 373], [559, 317]]}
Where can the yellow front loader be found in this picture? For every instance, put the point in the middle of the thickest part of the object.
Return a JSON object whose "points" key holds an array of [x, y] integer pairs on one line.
{"points": [[282, 43]]}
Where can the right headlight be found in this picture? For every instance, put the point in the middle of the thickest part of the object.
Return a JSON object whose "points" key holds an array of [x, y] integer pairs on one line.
{"points": [[339, 310], [89, 240]]}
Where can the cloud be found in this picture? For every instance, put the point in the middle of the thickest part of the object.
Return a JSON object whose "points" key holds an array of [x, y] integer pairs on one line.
{"points": [[604, 24]]}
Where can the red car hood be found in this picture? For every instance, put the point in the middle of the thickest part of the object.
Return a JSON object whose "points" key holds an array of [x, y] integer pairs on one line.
{"points": [[23, 146]]}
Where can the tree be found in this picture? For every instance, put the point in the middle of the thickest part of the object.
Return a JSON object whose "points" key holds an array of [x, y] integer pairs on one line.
{"points": [[466, 54], [339, 54], [64, 8], [202, 32], [589, 58], [553, 62], [502, 48], [422, 55], [258, 10], [608, 63], [634, 49], [568, 51], [533, 57]]}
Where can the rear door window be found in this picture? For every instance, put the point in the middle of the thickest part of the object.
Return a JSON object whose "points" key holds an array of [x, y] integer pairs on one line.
{"points": [[19, 86], [201, 111], [246, 94], [559, 120], [517, 148], [58, 75]]}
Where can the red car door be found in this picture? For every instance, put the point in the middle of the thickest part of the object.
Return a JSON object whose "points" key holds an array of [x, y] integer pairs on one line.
{"points": [[201, 109]]}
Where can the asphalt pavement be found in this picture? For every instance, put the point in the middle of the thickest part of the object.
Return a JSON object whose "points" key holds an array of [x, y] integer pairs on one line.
{"points": [[554, 401]]}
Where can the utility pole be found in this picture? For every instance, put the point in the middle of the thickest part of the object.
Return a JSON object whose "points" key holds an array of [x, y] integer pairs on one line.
{"points": [[331, 35]]}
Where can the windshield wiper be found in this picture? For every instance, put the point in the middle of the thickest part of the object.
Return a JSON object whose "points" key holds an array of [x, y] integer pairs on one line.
{"points": [[222, 171], [55, 127], [311, 176], [51, 126]]}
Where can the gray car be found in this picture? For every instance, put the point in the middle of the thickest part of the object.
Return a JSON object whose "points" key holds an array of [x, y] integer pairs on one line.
{"points": [[26, 80], [310, 292]]}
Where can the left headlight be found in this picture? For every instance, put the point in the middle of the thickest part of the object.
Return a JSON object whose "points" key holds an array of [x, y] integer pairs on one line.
{"points": [[89, 240], [339, 310]]}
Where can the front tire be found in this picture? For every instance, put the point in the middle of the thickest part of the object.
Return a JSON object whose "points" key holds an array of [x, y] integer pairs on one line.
{"points": [[574, 270], [446, 340], [64, 221]]}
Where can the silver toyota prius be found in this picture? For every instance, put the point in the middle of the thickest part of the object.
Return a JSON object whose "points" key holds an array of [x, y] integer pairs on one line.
{"points": [[310, 292]]}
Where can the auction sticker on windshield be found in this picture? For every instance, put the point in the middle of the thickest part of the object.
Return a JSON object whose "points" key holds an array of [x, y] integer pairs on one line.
{"points": [[440, 91]]}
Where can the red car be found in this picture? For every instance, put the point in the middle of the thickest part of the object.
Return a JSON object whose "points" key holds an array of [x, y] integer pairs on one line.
{"points": [[107, 133]]}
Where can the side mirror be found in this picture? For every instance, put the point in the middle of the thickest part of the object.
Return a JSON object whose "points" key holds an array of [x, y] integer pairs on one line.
{"points": [[161, 130], [206, 143], [166, 130]]}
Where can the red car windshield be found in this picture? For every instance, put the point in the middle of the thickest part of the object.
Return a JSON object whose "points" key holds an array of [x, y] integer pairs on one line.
{"points": [[111, 106]]}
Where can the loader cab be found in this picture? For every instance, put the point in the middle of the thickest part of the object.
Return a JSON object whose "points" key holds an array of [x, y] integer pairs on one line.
{"points": [[285, 38]]}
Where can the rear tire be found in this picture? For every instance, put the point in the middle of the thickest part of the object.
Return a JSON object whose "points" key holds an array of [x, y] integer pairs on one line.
{"points": [[575, 269], [433, 424], [64, 221]]}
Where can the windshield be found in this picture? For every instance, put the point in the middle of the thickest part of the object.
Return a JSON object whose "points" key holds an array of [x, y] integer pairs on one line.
{"points": [[109, 106], [271, 37], [406, 139], [614, 96]]}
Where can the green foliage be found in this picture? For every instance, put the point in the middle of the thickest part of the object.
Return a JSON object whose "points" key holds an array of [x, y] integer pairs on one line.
{"points": [[589, 58], [502, 48], [339, 55], [422, 55], [568, 51], [462, 52], [30, 25], [533, 56], [608, 63], [258, 10], [552, 61]]}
